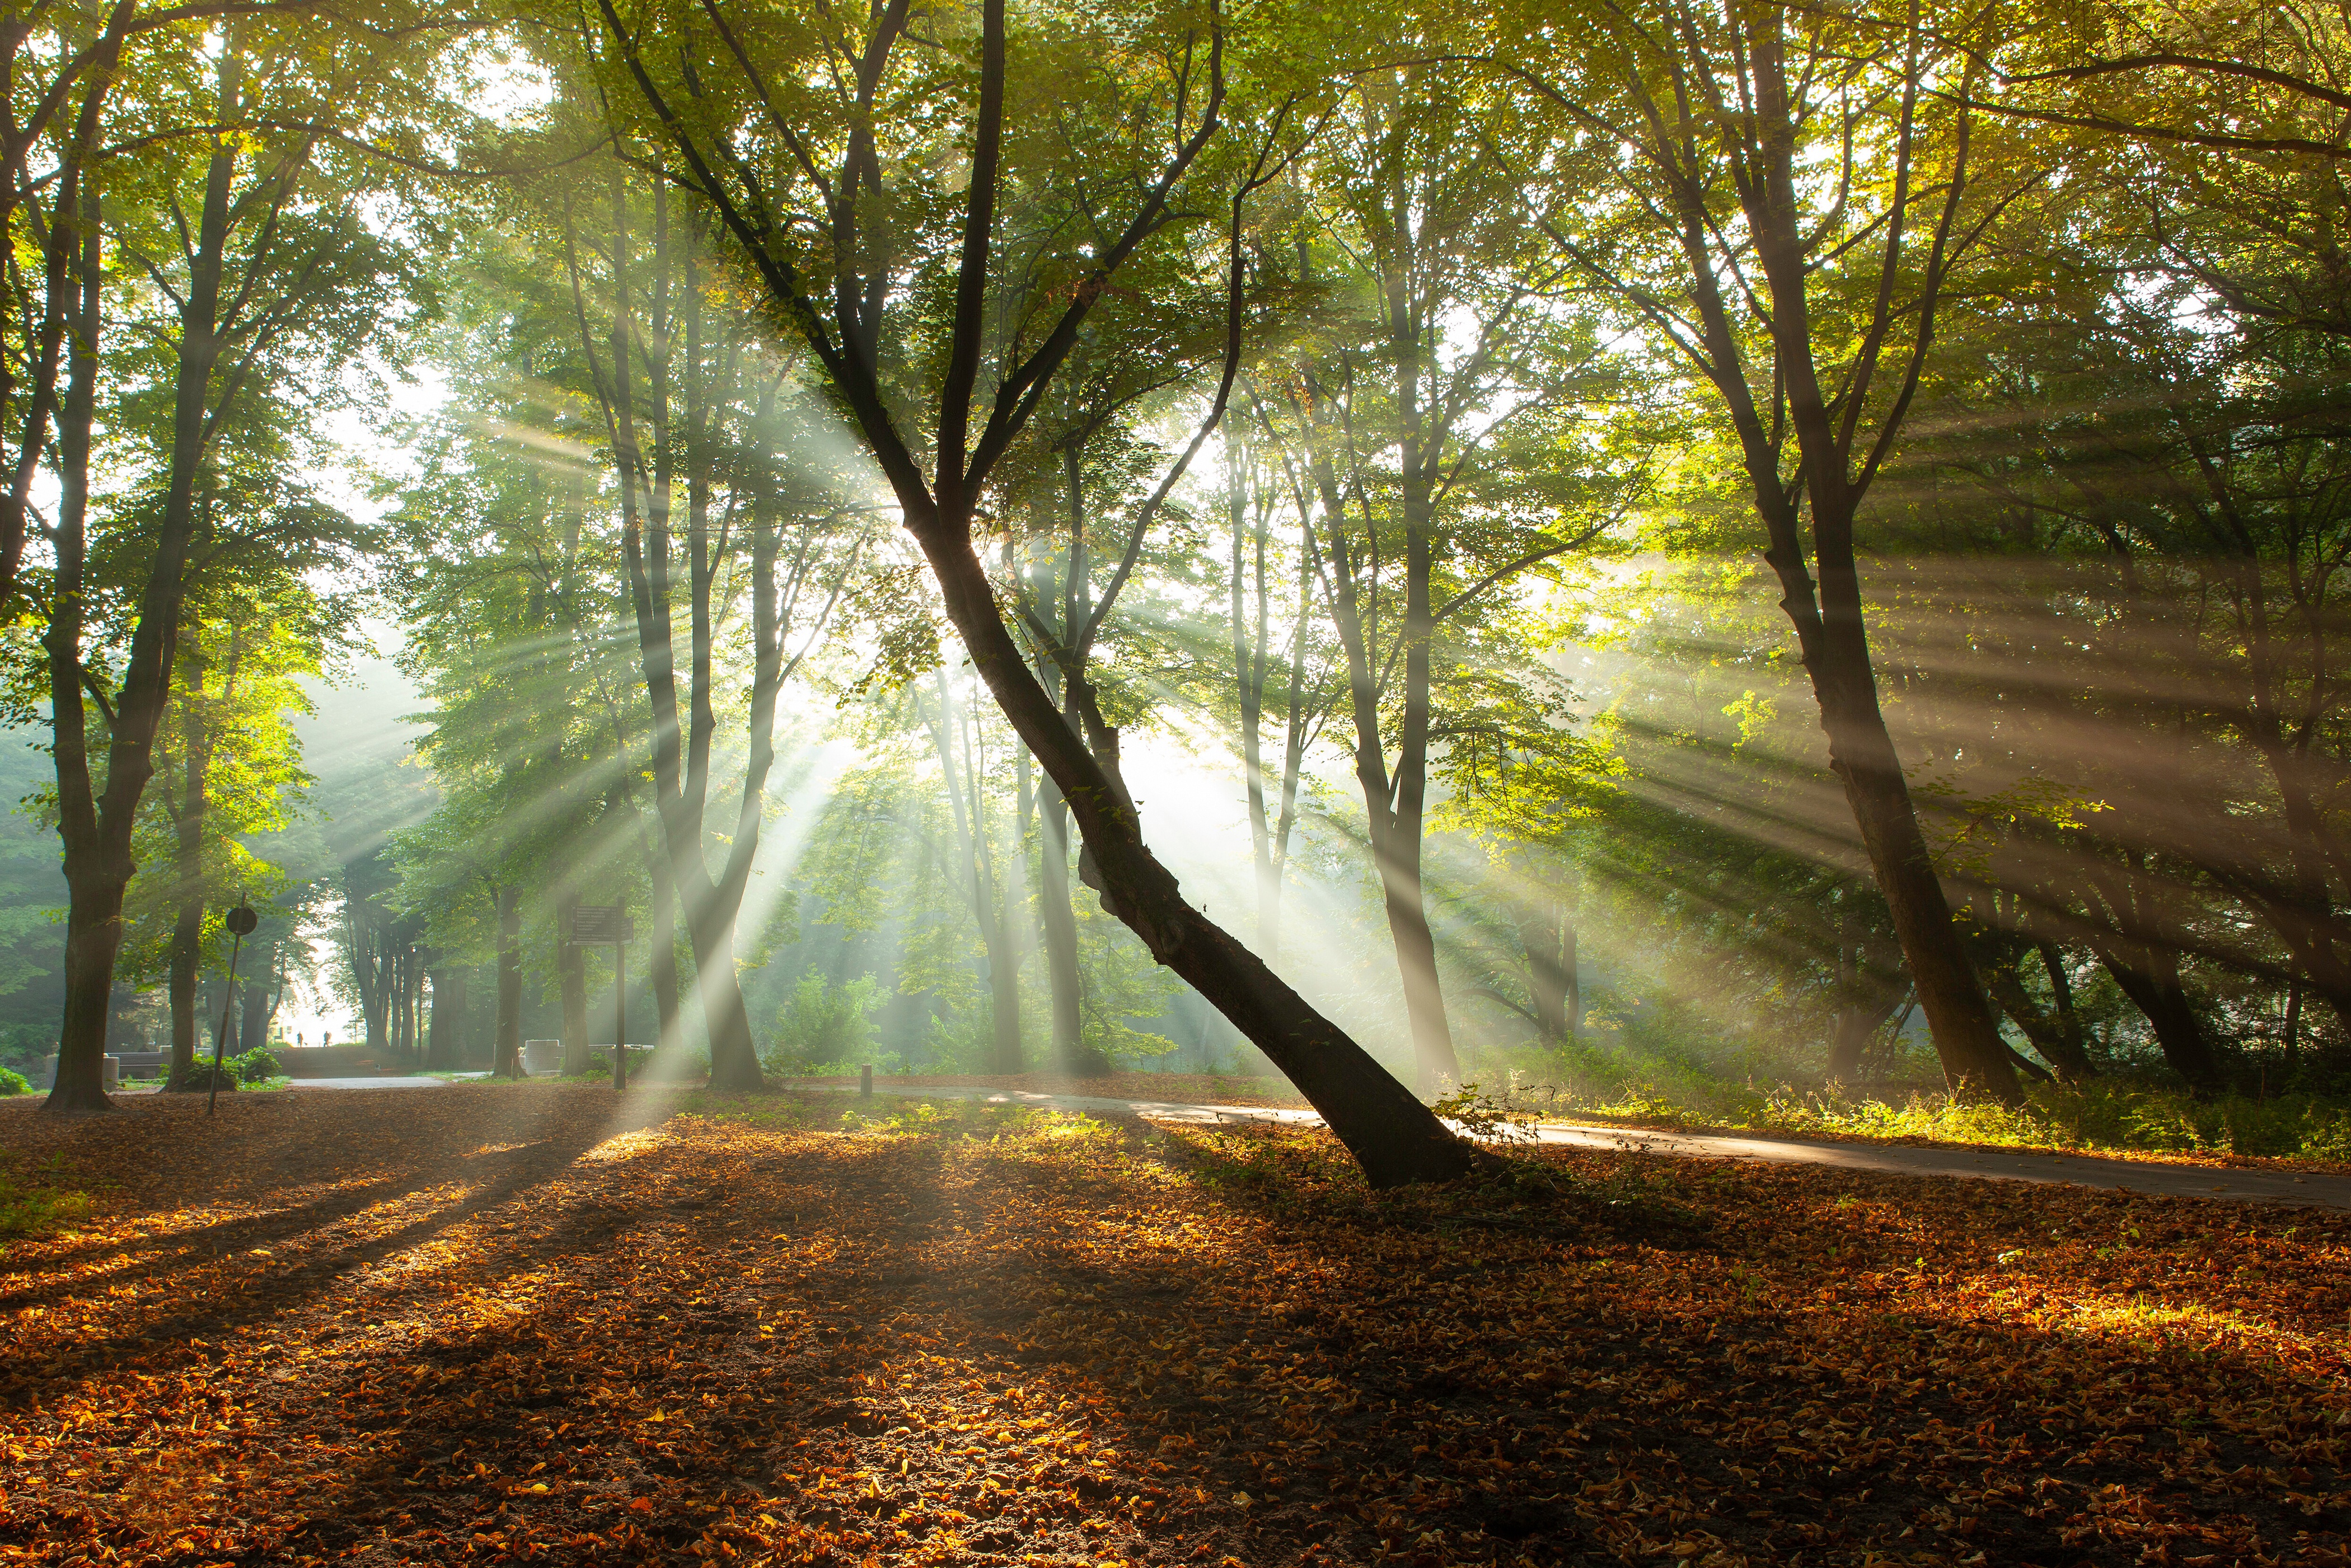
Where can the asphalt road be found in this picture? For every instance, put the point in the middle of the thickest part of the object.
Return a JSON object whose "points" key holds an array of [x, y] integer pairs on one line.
{"points": [[2227, 1184]]}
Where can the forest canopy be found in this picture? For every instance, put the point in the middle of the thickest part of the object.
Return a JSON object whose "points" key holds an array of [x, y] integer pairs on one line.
{"points": [[1766, 555]]}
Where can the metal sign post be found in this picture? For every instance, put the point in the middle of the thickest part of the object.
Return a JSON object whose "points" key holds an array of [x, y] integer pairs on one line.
{"points": [[607, 925], [240, 921]]}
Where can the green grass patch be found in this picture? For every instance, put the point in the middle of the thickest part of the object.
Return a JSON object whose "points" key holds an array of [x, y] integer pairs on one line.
{"points": [[2110, 1115], [35, 1200]]}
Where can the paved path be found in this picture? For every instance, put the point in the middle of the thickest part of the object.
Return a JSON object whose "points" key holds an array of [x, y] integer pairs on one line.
{"points": [[2240, 1184]]}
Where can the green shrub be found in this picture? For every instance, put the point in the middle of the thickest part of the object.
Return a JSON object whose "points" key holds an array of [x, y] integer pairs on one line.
{"points": [[200, 1076], [823, 1025], [13, 1082], [254, 1065]]}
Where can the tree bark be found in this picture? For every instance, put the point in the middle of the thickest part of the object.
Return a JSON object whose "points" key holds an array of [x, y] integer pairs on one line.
{"points": [[2150, 978], [2056, 1031], [968, 810], [572, 985], [506, 1052], [1060, 920], [98, 863], [444, 1041], [1548, 940], [253, 1016]]}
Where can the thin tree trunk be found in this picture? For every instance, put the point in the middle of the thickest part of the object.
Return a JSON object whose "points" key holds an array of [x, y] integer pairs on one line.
{"points": [[1248, 679], [506, 1060]]}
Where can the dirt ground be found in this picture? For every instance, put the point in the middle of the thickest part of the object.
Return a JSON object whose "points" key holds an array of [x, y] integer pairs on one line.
{"points": [[534, 1322]]}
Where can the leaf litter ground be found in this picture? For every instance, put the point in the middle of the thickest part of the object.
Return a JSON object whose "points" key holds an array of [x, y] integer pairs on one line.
{"points": [[530, 1322]]}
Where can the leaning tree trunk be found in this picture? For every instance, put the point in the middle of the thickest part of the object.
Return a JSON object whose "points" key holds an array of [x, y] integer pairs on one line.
{"points": [[1966, 1037], [1394, 1137], [2054, 1032]]}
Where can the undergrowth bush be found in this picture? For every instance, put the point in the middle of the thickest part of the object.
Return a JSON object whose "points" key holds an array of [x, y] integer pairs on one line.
{"points": [[13, 1082]]}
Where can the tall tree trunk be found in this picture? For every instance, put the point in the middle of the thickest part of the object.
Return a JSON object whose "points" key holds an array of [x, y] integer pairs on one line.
{"points": [[444, 1042], [571, 985], [411, 1044], [98, 842], [733, 1055], [1248, 680], [1059, 918], [661, 955], [1547, 939], [180, 989], [1057, 915], [1394, 800], [375, 985], [185, 807], [1293, 762], [98, 863], [507, 1061], [1839, 459], [2150, 978], [253, 1018], [967, 809]]}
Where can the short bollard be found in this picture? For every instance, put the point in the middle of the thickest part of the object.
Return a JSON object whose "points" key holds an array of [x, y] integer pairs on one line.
{"points": [[866, 1082]]}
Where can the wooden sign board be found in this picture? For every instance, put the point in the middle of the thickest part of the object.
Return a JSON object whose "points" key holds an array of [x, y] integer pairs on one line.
{"points": [[601, 926]]}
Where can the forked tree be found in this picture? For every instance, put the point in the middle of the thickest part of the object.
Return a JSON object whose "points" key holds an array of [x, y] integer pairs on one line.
{"points": [[789, 124]]}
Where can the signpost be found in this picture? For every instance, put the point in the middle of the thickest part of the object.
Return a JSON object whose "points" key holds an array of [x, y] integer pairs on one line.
{"points": [[608, 925], [240, 921]]}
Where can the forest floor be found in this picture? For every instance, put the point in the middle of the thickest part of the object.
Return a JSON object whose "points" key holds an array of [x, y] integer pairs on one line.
{"points": [[537, 1321]]}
